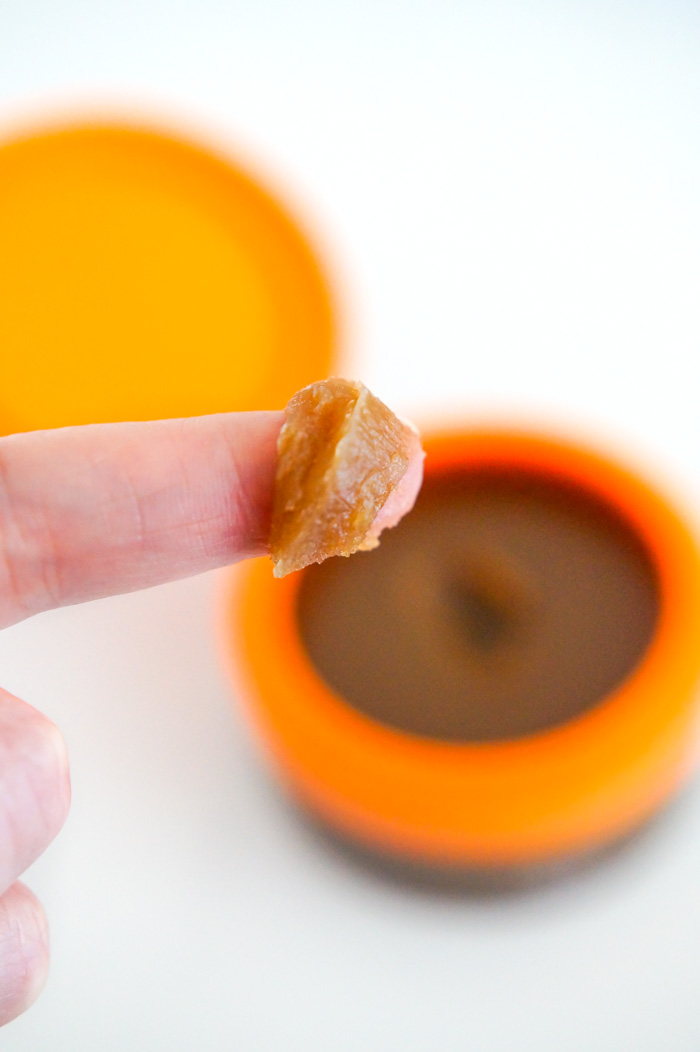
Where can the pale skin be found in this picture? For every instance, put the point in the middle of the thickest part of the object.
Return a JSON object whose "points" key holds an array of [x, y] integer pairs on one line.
{"points": [[93, 511], [88, 512]]}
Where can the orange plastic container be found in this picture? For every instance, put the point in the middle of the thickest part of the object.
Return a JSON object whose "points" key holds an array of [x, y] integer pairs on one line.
{"points": [[145, 277], [549, 796]]}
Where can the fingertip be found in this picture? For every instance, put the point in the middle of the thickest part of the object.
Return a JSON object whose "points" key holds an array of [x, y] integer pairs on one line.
{"points": [[34, 785], [53, 763], [403, 498], [24, 951]]}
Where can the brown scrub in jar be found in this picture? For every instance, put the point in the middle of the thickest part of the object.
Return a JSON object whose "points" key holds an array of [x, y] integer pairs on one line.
{"points": [[508, 602]]}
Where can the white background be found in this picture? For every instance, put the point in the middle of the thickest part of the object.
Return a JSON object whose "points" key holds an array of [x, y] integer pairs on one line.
{"points": [[507, 196]]}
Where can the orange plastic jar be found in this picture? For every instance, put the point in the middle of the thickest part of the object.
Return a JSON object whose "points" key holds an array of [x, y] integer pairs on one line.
{"points": [[563, 792]]}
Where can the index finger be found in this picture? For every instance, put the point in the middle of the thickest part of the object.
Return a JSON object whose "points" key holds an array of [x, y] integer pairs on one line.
{"points": [[105, 508]]}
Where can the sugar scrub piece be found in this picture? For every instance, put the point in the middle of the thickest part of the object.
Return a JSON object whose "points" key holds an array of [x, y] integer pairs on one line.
{"points": [[347, 468]]}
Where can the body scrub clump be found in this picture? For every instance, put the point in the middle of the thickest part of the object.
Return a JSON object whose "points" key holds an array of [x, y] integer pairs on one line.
{"points": [[347, 468]]}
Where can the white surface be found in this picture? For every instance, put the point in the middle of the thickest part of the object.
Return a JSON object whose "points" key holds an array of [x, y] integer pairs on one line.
{"points": [[508, 194]]}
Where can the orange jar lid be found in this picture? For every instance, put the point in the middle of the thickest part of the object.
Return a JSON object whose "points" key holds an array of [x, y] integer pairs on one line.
{"points": [[557, 792], [143, 277]]}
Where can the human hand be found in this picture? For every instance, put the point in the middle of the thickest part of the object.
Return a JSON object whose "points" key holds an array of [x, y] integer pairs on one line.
{"points": [[88, 512]]}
